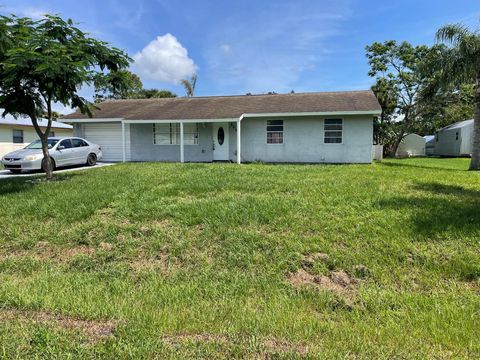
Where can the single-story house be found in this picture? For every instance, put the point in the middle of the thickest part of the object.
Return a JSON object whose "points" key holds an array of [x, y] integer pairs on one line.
{"points": [[429, 145], [411, 145], [17, 133], [323, 127], [455, 139]]}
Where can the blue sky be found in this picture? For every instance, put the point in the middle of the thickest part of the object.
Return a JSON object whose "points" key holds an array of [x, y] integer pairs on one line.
{"points": [[254, 45]]}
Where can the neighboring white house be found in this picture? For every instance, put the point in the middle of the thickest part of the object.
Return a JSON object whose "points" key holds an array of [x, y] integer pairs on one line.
{"points": [[455, 139], [17, 133], [411, 145], [330, 127], [429, 145]]}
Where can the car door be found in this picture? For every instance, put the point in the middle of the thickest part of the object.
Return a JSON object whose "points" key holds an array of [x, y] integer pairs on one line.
{"points": [[64, 153], [80, 151]]}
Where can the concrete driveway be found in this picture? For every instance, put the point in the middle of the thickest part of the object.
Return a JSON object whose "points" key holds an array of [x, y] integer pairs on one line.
{"points": [[5, 174]]}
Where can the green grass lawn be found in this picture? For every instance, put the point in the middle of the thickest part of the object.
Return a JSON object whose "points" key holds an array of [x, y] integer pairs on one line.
{"points": [[253, 261]]}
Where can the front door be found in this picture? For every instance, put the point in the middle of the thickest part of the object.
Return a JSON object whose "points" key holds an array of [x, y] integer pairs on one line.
{"points": [[220, 142]]}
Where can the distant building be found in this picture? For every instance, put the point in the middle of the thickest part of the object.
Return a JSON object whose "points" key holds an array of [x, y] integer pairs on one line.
{"points": [[411, 145], [455, 140], [17, 133]]}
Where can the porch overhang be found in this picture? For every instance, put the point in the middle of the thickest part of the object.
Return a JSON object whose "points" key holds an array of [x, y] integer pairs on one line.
{"points": [[182, 122]]}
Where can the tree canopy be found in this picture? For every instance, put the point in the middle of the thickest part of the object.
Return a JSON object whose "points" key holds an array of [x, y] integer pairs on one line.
{"points": [[47, 61], [458, 64], [190, 85], [131, 87], [408, 89]]}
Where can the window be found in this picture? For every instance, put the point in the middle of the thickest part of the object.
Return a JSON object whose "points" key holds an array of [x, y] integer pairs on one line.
{"points": [[436, 137], [456, 136], [78, 143], [190, 134], [67, 144], [51, 134], [169, 134], [18, 136], [275, 132], [333, 131]]}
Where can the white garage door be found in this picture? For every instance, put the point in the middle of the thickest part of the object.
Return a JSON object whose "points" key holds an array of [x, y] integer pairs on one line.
{"points": [[109, 137]]}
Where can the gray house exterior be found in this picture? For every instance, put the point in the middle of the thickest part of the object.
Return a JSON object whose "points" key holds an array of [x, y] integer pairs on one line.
{"points": [[333, 127]]}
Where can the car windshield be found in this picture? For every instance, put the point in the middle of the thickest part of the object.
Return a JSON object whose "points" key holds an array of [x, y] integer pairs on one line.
{"points": [[37, 144]]}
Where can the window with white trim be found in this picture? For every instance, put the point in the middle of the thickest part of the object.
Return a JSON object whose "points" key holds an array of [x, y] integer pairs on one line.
{"points": [[169, 134], [274, 131], [333, 131]]}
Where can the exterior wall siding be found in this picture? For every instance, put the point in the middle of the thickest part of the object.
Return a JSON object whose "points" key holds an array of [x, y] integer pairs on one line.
{"points": [[303, 141], [448, 145], [143, 149], [29, 135]]}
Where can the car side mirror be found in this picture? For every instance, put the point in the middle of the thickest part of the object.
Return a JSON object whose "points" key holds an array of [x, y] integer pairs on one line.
{"points": [[60, 147]]}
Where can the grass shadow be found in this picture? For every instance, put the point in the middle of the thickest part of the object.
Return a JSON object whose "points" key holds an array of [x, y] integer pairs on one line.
{"points": [[24, 184], [397, 164], [442, 209]]}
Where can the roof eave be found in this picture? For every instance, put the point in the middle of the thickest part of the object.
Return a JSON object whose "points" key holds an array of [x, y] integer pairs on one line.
{"points": [[245, 115]]}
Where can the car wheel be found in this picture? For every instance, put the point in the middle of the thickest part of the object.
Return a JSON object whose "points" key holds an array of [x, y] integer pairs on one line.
{"points": [[44, 164], [91, 160]]}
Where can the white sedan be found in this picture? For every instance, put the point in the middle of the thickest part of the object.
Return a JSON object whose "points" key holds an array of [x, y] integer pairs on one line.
{"points": [[64, 151]]}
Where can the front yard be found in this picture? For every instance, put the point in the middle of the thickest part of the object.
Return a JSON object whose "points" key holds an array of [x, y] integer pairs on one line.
{"points": [[251, 261]]}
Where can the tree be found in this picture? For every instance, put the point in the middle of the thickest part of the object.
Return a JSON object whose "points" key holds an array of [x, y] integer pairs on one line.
{"points": [[459, 64], [189, 85], [121, 84], [444, 107], [155, 93], [387, 97], [47, 61], [397, 67]]}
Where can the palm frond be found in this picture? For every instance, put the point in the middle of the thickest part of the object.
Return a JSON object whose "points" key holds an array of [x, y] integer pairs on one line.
{"points": [[453, 33]]}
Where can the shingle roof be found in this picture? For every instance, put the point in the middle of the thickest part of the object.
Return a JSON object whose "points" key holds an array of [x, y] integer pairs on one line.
{"points": [[226, 107], [10, 120]]}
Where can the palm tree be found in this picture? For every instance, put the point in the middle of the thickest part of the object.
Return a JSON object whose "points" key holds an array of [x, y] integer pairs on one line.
{"points": [[460, 64], [189, 85]]}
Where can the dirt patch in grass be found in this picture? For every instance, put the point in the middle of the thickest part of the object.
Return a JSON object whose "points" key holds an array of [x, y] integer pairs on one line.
{"points": [[282, 346], [316, 257], [44, 251], [161, 262], [93, 330], [162, 224], [175, 340], [338, 282], [269, 345]]}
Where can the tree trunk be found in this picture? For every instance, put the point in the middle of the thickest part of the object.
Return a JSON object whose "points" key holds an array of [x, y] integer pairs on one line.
{"points": [[47, 161], [396, 144], [475, 162]]}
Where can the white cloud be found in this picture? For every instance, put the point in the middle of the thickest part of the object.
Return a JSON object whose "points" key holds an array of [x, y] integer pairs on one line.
{"points": [[165, 60], [226, 48]]}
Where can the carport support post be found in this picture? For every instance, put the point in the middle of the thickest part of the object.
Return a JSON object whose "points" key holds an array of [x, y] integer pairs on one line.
{"points": [[239, 141], [123, 143], [182, 150]]}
